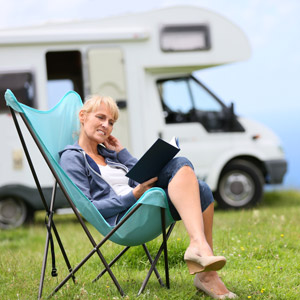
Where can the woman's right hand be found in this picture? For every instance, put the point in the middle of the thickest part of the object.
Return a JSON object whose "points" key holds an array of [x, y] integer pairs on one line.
{"points": [[140, 189]]}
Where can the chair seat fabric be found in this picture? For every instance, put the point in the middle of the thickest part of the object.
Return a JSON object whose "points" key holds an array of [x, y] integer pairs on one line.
{"points": [[57, 128]]}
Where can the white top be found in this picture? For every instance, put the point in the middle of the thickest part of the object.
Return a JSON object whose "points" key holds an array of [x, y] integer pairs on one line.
{"points": [[116, 178]]}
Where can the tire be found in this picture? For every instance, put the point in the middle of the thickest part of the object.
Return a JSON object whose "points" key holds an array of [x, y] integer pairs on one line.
{"points": [[13, 212], [240, 185]]}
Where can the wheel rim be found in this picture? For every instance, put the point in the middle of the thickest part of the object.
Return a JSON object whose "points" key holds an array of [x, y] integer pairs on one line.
{"points": [[237, 188], [12, 213]]}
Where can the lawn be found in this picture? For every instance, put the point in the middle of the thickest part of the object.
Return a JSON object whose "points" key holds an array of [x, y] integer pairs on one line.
{"points": [[262, 247]]}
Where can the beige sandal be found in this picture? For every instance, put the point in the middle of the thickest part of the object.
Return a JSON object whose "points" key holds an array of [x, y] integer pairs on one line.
{"points": [[197, 264], [199, 285]]}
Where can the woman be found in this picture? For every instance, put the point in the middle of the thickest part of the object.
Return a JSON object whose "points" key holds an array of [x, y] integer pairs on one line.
{"points": [[97, 164]]}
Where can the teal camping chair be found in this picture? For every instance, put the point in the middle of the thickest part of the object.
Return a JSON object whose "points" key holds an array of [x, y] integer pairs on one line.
{"points": [[52, 130]]}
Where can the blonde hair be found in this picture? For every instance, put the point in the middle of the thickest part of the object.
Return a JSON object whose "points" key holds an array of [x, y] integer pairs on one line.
{"points": [[93, 102]]}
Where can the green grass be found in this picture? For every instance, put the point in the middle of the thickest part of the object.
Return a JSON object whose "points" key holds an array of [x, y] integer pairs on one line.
{"points": [[262, 246]]}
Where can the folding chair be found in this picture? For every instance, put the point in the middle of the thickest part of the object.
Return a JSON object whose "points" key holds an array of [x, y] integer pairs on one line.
{"points": [[52, 130]]}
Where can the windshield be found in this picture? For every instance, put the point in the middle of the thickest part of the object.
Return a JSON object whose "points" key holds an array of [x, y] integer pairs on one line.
{"points": [[187, 100]]}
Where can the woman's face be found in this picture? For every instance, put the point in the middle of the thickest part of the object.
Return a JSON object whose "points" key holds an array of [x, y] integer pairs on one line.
{"points": [[97, 125]]}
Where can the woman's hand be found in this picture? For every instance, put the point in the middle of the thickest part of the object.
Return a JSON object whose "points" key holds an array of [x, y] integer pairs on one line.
{"points": [[140, 189], [112, 143]]}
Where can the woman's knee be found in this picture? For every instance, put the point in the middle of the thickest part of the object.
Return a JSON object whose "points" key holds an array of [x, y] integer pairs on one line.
{"points": [[171, 169], [180, 162]]}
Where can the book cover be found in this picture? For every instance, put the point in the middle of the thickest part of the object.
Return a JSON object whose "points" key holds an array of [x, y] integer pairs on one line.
{"points": [[154, 159]]}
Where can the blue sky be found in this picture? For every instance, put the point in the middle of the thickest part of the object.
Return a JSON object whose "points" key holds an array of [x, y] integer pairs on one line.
{"points": [[264, 88]]}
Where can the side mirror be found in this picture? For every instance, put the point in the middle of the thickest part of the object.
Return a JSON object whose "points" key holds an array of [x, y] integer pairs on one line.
{"points": [[230, 117], [232, 123], [231, 109]]}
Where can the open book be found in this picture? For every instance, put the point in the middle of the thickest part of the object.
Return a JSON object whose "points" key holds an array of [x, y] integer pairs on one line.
{"points": [[155, 158]]}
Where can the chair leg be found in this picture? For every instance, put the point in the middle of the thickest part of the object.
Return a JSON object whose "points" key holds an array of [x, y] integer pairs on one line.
{"points": [[121, 254], [49, 226], [75, 269], [62, 249], [52, 226], [111, 263], [151, 262], [155, 260], [165, 246], [95, 249], [42, 277], [43, 267]]}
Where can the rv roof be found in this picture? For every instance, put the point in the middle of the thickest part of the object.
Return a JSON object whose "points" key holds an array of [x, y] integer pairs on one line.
{"points": [[227, 42], [45, 35]]}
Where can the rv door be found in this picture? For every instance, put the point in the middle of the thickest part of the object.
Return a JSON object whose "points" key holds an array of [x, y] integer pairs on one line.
{"points": [[107, 78]]}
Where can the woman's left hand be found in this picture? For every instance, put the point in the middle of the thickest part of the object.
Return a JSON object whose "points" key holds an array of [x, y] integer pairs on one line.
{"points": [[140, 189], [112, 143]]}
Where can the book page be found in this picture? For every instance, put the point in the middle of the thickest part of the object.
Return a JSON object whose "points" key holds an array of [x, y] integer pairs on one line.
{"points": [[174, 142]]}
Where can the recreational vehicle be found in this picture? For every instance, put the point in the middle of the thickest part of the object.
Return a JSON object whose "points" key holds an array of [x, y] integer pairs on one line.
{"points": [[147, 62]]}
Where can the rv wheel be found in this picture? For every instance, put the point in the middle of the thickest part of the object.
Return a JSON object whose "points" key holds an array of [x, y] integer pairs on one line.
{"points": [[13, 212], [240, 185]]}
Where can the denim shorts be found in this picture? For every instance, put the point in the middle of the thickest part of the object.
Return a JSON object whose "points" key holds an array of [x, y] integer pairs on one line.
{"points": [[167, 174]]}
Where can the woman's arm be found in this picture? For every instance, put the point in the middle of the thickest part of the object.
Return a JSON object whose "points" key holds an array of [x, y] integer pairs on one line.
{"points": [[72, 163], [112, 143], [124, 157]]}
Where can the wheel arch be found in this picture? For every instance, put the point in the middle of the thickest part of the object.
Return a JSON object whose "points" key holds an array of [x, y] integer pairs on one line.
{"points": [[214, 178], [27, 194], [254, 160], [15, 209], [240, 184], [31, 196]]}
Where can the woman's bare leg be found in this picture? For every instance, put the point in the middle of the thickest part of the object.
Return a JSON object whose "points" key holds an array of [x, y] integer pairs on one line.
{"points": [[211, 279], [208, 217], [184, 185], [199, 226]]}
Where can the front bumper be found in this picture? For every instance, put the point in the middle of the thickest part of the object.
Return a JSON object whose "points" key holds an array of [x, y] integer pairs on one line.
{"points": [[276, 170]]}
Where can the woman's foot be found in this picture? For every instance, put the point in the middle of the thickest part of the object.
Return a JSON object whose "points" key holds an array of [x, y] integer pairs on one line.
{"points": [[202, 263], [211, 284]]}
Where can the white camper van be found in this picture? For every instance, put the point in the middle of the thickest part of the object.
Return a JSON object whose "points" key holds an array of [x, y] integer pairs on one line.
{"points": [[146, 62]]}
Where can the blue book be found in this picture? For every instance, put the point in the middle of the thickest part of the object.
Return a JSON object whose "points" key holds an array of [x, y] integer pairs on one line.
{"points": [[153, 161]]}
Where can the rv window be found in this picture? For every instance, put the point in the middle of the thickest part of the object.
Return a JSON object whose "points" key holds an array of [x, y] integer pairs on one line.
{"points": [[176, 96], [185, 100], [64, 73], [176, 100], [184, 38], [204, 101], [21, 84]]}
